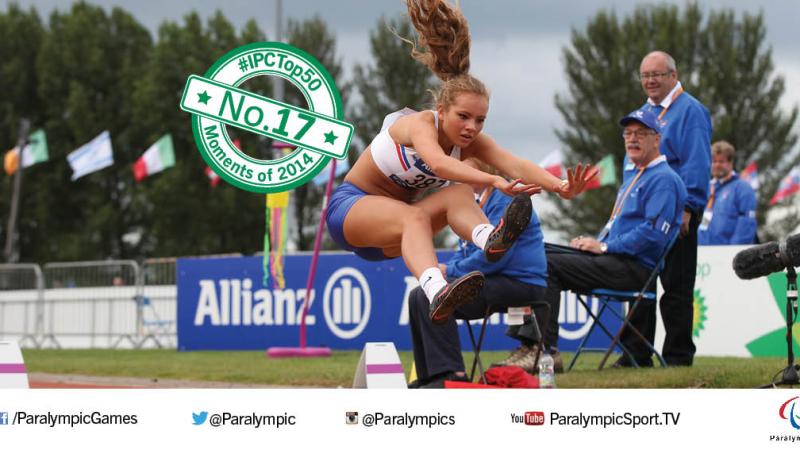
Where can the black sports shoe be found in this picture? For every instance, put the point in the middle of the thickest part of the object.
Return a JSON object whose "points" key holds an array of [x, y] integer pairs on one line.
{"points": [[625, 362], [438, 381], [515, 219], [463, 290]]}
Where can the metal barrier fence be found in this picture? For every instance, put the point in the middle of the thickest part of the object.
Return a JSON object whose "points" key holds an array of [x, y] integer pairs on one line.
{"points": [[21, 307], [107, 304]]}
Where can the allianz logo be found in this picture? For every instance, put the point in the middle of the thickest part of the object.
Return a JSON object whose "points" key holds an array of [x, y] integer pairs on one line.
{"points": [[347, 303], [232, 302]]}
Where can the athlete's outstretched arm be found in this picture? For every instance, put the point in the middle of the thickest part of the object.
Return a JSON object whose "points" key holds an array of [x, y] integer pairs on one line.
{"points": [[486, 149]]}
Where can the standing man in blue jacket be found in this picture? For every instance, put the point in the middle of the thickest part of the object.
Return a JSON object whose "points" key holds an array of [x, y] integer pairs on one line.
{"points": [[730, 215], [685, 140]]}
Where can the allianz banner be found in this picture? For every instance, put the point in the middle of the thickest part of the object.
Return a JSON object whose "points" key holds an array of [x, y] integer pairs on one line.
{"points": [[222, 305]]}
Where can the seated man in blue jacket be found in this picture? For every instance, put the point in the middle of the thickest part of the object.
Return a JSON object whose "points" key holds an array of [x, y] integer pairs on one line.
{"points": [[730, 215], [516, 280], [646, 214]]}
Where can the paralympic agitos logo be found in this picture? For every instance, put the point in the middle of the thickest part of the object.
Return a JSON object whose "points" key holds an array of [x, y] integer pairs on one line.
{"points": [[791, 416]]}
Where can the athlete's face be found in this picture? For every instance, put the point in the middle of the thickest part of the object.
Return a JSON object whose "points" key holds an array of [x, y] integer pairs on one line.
{"points": [[657, 80], [463, 120], [721, 167]]}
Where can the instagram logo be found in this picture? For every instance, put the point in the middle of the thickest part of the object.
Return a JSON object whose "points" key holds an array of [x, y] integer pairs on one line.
{"points": [[534, 418]]}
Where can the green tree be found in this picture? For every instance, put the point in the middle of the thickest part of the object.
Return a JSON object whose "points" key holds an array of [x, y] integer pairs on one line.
{"points": [[394, 80], [86, 66], [313, 36], [721, 60], [179, 212], [21, 34]]}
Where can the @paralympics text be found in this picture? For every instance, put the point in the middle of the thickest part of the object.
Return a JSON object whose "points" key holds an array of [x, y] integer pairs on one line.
{"points": [[91, 418], [407, 420]]}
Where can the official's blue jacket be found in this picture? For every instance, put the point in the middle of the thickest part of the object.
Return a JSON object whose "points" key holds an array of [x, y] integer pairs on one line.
{"points": [[525, 262], [685, 141], [734, 214], [650, 215]]}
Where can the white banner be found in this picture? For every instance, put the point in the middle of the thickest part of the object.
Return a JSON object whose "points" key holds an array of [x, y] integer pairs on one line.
{"points": [[368, 419], [734, 317]]}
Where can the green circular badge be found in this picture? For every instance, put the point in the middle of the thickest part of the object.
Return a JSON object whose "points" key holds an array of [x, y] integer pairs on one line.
{"points": [[318, 132]]}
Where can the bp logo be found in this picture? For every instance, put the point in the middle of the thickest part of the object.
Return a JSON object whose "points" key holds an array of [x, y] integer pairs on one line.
{"points": [[215, 100], [699, 313]]}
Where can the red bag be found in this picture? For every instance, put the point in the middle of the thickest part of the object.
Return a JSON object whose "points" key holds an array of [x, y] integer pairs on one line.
{"points": [[511, 377]]}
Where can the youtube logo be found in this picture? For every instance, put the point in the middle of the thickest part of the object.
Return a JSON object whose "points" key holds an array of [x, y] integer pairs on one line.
{"points": [[534, 418]]}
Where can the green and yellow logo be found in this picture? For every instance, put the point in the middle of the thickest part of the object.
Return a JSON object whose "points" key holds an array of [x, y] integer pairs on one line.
{"points": [[215, 100], [774, 342], [700, 318]]}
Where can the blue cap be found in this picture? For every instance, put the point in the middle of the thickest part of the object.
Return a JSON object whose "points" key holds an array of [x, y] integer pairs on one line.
{"points": [[644, 117]]}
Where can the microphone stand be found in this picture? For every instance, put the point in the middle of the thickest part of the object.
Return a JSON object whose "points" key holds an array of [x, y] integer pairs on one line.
{"points": [[790, 376]]}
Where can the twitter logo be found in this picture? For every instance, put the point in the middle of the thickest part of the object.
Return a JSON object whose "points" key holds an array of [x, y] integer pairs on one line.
{"points": [[200, 419]]}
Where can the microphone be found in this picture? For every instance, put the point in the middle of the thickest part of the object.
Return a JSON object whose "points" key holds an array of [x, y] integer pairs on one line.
{"points": [[764, 259]]}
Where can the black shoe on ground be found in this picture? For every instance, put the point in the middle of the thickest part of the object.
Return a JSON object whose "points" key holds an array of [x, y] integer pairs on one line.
{"points": [[437, 381], [515, 219], [462, 290], [625, 362]]}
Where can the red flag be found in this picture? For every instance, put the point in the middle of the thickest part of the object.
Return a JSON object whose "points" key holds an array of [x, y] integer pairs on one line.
{"points": [[213, 178]]}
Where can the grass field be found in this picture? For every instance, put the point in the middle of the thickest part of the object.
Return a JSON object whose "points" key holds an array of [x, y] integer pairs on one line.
{"points": [[337, 370]]}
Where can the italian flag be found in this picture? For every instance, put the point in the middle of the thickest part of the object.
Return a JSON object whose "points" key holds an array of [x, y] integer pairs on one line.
{"points": [[607, 176], [34, 153], [158, 157]]}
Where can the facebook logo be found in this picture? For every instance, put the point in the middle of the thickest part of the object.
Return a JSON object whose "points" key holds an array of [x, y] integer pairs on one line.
{"points": [[3, 418]]}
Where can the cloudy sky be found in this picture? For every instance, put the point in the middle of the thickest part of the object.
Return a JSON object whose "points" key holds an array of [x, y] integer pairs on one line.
{"points": [[523, 115]]}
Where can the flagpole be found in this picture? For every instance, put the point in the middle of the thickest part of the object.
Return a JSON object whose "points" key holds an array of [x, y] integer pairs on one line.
{"points": [[11, 255]]}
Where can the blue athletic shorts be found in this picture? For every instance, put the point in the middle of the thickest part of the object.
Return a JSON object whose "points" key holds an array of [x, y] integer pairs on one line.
{"points": [[343, 198]]}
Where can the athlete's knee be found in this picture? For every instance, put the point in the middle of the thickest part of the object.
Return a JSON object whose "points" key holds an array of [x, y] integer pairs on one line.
{"points": [[416, 217]]}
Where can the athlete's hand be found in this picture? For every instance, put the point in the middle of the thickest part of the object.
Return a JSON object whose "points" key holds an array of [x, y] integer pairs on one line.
{"points": [[514, 187], [576, 180]]}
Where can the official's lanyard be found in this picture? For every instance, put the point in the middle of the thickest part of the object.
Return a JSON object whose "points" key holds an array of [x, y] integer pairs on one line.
{"points": [[710, 203], [671, 102], [621, 200]]}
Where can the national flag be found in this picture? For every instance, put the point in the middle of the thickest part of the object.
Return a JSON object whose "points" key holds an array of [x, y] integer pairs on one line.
{"points": [[789, 186], [11, 161], [750, 175], [34, 153], [158, 157], [607, 175], [95, 155], [553, 163], [213, 178]]}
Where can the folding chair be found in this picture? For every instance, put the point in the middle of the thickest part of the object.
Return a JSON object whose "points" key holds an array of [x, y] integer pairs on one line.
{"points": [[476, 345], [606, 295]]}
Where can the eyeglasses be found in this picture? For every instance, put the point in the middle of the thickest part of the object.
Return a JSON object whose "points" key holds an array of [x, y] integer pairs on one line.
{"points": [[640, 133], [645, 76]]}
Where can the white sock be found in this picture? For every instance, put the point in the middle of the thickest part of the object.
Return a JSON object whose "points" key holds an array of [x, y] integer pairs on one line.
{"points": [[480, 234], [431, 281]]}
